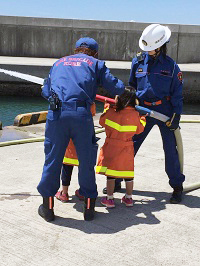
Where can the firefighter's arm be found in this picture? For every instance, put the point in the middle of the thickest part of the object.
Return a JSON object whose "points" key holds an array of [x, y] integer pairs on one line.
{"points": [[176, 98], [93, 109], [46, 87]]}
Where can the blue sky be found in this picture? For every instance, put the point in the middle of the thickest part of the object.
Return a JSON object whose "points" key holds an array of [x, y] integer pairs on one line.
{"points": [[169, 11]]}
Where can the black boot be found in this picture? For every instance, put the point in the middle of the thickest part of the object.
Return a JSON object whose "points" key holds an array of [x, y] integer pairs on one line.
{"points": [[45, 210], [176, 195], [116, 189], [89, 204]]}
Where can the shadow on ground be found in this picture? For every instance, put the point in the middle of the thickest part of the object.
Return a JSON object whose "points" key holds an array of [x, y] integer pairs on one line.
{"points": [[121, 217], [109, 221]]}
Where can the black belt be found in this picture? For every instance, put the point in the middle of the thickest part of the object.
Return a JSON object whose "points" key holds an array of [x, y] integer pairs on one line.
{"points": [[81, 104], [78, 103]]}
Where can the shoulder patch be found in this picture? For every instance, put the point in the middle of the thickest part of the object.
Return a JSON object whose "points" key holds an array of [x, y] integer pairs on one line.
{"points": [[140, 70], [180, 76]]}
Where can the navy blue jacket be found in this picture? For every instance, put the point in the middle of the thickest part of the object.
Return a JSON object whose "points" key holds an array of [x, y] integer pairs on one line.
{"points": [[155, 80], [77, 77]]}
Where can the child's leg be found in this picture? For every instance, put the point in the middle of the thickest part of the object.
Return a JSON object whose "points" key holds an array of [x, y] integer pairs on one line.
{"points": [[110, 186], [109, 200], [66, 177], [129, 186], [127, 199]]}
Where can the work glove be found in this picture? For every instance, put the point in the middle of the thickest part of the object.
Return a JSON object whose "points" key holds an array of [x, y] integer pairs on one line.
{"points": [[173, 122]]}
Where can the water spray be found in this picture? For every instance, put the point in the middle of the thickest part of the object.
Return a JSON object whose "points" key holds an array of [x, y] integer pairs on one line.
{"points": [[27, 77]]}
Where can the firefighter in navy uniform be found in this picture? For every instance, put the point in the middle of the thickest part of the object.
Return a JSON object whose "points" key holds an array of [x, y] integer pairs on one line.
{"points": [[158, 81], [71, 89]]}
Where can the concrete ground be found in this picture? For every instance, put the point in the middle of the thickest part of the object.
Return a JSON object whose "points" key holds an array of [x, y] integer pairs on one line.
{"points": [[152, 232]]}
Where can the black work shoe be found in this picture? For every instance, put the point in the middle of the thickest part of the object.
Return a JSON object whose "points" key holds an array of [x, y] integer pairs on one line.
{"points": [[45, 210], [89, 204], [116, 189], [176, 195], [45, 213]]}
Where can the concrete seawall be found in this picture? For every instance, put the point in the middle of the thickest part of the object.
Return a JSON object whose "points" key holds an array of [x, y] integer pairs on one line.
{"points": [[31, 45], [53, 38]]}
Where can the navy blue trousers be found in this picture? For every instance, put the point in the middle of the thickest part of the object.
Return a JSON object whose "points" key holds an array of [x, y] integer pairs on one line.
{"points": [[172, 165], [62, 125]]}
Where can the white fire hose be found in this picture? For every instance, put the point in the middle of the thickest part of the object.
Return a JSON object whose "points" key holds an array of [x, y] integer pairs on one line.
{"points": [[140, 109]]}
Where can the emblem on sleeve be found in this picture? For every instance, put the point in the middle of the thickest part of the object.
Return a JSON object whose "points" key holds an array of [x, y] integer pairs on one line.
{"points": [[140, 70], [180, 76]]}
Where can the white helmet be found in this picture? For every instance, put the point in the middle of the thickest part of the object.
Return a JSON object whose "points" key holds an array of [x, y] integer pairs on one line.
{"points": [[153, 37]]}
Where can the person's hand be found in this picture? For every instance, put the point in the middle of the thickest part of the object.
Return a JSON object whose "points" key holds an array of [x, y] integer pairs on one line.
{"points": [[173, 122], [116, 99], [106, 106], [93, 109], [44, 83]]}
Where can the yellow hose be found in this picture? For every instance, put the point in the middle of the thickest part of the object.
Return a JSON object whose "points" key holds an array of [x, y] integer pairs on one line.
{"points": [[179, 144], [191, 187], [31, 140], [190, 121], [40, 139], [21, 141]]}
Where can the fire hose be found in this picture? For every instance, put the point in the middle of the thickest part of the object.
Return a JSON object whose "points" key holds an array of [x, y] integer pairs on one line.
{"points": [[100, 98]]}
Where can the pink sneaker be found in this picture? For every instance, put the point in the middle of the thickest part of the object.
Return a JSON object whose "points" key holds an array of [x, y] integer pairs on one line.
{"points": [[109, 203], [62, 197], [79, 195], [127, 202]]}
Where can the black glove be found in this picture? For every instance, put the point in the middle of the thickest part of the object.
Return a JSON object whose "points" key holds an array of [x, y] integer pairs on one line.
{"points": [[173, 122]]}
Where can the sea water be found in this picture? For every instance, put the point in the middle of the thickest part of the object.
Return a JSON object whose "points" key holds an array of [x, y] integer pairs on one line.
{"points": [[11, 106]]}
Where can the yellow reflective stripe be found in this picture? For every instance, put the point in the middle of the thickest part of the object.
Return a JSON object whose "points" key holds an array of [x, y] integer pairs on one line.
{"points": [[120, 128], [106, 109], [70, 161], [120, 173], [105, 170], [143, 122], [101, 169]]}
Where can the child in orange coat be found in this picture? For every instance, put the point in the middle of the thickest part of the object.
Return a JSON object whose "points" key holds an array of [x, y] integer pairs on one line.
{"points": [[116, 158], [70, 160]]}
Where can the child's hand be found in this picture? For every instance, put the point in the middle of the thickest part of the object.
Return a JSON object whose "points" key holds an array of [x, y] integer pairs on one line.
{"points": [[106, 106], [144, 115]]}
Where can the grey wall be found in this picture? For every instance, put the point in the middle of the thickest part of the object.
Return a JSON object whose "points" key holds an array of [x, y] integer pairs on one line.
{"points": [[54, 38]]}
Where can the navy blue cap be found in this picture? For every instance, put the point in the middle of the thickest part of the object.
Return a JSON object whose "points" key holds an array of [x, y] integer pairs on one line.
{"points": [[88, 43]]}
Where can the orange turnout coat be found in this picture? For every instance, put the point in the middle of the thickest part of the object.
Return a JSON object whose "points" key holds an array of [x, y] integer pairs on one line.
{"points": [[71, 157], [116, 157]]}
